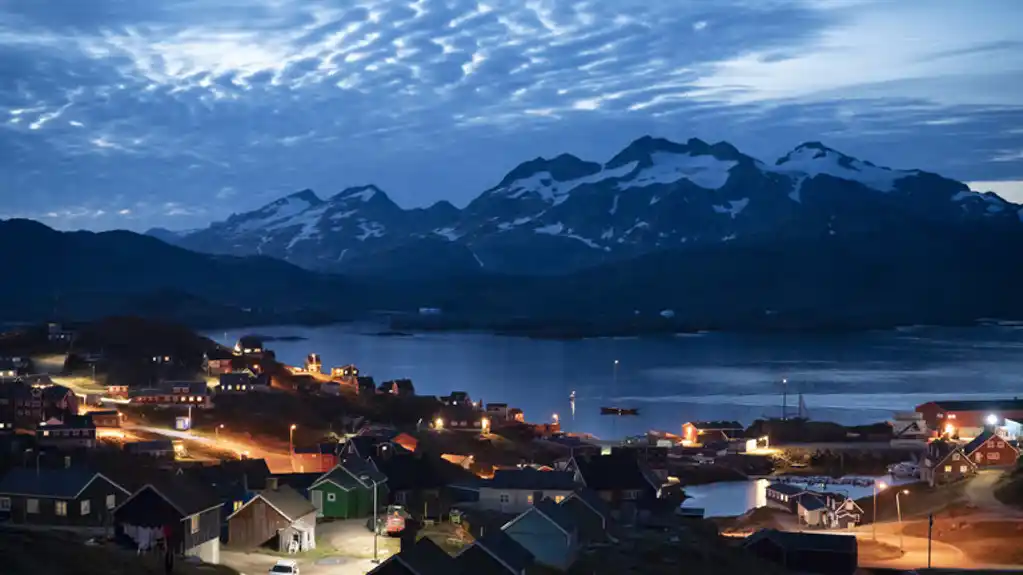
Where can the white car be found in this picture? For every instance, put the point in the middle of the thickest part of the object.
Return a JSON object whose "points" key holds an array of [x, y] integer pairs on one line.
{"points": [[285, 567]]}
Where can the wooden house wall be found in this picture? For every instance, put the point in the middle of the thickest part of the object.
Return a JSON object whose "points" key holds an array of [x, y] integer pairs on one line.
{"points": [[256, 524]]}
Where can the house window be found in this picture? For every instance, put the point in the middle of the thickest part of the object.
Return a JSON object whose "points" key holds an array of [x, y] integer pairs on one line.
{"points": [[955, 457], [1000, 444], [559, 498], [331, 497], [32, 506], [236, 506], [505, 498], [111, 501], [60, 508], [194, 524], [631, 494], [86, 507], [993, 455], [5, 503], [962, 469], [948, 469], [529, 499]]}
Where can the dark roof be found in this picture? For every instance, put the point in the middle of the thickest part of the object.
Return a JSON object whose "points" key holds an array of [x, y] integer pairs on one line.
{"points": [[232, 475], [364, 445], [593, 501], [154, 444], [235, 377], [338, 476], [70, 422], [531, 479], [506, 549], [298, 481], [219, 353], [55, 392], [804, 541], [58, 483], [408, 471], [811, 502], [426, 558], [288, 501], [786, 488], [560, 517], [591, 527], [185, 494], [361, 468], [250, 341], [972, 446], [938, 451], [475, 559], [986, 405], [717, 425], [105, 412], [610, 473]]}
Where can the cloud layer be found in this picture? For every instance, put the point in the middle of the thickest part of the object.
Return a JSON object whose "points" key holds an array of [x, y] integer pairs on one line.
{"points": [[134, 114]]}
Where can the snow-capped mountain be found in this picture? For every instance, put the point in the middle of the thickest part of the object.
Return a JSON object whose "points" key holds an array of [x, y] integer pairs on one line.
{"points": [[555, 215]]}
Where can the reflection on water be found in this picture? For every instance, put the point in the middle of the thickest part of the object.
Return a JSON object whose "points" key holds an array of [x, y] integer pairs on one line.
{"points": [[732, 498]]}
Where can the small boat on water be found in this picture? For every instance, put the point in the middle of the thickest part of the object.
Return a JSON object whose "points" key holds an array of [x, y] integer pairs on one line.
{"points": [[618, 411]]}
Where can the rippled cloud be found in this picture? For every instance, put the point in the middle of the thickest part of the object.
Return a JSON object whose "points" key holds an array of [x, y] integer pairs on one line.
{"points": [[132, 114]]}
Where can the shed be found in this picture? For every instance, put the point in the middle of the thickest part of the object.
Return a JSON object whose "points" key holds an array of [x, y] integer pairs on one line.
{"points": [[278, 517]]}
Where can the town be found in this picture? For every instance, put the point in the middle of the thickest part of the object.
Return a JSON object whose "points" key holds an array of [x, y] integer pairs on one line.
{"points": [[146, 446]]}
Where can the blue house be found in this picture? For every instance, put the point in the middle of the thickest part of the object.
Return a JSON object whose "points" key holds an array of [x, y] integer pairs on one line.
{"points": [[549, 532]]}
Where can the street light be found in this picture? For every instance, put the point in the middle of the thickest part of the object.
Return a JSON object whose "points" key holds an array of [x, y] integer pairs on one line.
{"points": [[216, 431], [898, 510], [291, 438], [878, 486], [555, 416], [992, 419], [376, 520], [485, 425]]}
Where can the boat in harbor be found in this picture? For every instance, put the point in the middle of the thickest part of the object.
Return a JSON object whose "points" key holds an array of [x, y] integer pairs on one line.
{"points": [[619, 411]]}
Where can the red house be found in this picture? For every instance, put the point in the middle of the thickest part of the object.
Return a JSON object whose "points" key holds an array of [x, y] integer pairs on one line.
{"points": [[990, 449], [945, 462], [951, 417]]}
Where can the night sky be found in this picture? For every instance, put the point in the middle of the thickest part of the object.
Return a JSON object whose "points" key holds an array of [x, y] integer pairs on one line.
{"points": [[140, 113]]}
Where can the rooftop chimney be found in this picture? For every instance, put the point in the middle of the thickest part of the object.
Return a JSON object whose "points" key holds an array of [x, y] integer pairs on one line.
{"points": [[271, 483]]}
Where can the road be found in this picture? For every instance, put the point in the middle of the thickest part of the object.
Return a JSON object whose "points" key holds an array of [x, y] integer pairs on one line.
{"points": [[277, 461], [350, 539], [259, 564], [980, 491]]}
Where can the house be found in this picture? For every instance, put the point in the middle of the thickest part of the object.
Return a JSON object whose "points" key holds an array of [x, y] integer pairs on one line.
{"points": [[422, 558], [459, 418], [405, 441], [803, 552], [64, 497], [516, 490], [158, 448], [313, 364], [365, 386], [218, 361], [162, 359], [812, 510], [783, 496], [348, 490], [25, 405], [346, 372], [317, 458], [398, 387], [517, 415], [591, 515], [548, 532], [300, 482], [991, 449], [242, 382], [235, 481], [617, 479], [845, 512], [8, 369], [909, 429], [700, 432], [496, 553], [249, 346], [75, 431], [117, 391], [457, 399], [420, 482], [366, 445], [174, 394], [106, 418], [330, 388], [278, 517], [497, 412], [55, 332], [969, 418], [945, 462], [185, 513]]}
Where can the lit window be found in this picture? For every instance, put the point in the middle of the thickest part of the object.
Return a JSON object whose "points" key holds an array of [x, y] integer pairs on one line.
{"points": [[993, 455], [237, 505], [331, 497], [962, 469], [505, 498], [951, 416], [111, 501], [948, 469], [46, 434], [559, 498], [86, 507], [60, 508], [529, 499], [1001, 444], [194, 524], [32, 506], [955, 457]]}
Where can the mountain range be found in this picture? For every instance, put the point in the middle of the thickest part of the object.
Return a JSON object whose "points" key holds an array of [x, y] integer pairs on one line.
{"points": [[564, 214]]}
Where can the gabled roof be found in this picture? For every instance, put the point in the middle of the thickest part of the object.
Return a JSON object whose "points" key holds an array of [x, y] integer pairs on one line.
{"points": [[531, 479], [55, 483], [351, 474], [425, 558], [183, 494], [592, 501], [939, 451], [592, 527], [552, 512], [474, 559], [811, 502], [285, 500], [297, 481], [70, 422], [410, 471], [505, 550], [980, 440], [787, 488], [805, 541]]}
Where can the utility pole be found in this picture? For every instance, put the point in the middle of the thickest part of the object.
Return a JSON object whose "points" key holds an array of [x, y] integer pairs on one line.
{"points": [[930, 527], [784, 399]]}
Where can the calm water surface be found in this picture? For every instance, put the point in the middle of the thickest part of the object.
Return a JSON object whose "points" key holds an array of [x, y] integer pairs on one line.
{"points": [[851, 379]]}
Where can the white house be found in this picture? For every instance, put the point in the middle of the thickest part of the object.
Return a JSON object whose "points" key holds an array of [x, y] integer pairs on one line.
{"points": [[516, 490]]}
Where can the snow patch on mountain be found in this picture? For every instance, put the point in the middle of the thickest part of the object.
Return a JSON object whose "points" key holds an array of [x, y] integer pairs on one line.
{"points": [[275, 214], [544, 186], [814, 159], [370, 230], [705, 171], [552, 229], [734, 207], [448, 233]]}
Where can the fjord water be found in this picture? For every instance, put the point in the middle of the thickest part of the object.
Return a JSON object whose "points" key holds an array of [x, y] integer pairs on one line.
{"points": [[850, 378]]}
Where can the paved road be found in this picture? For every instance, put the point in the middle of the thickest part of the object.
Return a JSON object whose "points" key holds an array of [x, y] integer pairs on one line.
{"points": [[259, 564], [980, 491]]}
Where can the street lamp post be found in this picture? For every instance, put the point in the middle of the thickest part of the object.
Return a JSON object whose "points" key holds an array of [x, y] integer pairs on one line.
{"points": [[216, 431], [291, 445], [878, 486], [376, 520], [898, 509]]}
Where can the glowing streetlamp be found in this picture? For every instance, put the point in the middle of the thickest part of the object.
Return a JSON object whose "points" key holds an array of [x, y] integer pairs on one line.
{"points": [[898, 509], [438, 423], [291, 438], [950, 429], [555, 417], [878, 486], [485, 425], [992, 419], [216, 431]]}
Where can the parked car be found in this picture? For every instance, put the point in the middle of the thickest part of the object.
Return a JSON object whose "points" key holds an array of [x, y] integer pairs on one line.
{"points": [[284, 567], [391, 520]]}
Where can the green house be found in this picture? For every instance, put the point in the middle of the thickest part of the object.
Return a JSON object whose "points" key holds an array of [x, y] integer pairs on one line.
{"points": [[346, 492]]}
